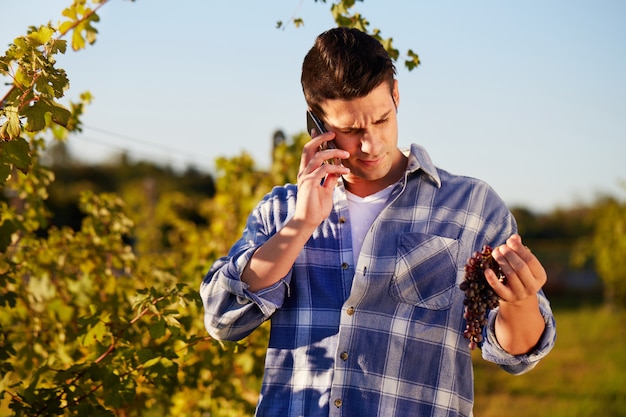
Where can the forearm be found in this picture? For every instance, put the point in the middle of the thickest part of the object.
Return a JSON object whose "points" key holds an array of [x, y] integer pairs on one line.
{"points": [[274, 258], [519, 326]]}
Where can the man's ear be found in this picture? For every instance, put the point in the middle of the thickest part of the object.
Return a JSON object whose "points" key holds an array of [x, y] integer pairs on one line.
{"points": [[395, 94]]}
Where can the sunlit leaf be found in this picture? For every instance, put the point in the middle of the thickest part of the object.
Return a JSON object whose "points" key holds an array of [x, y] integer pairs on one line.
{"points": [[42, 35], [11, 128], [152, 362], [70, 12], [65, 26], [97, 332], [22, 78]]}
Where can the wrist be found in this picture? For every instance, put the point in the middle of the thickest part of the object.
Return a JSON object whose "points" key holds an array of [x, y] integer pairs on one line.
{"points": [[302, 224], [527, 303]]}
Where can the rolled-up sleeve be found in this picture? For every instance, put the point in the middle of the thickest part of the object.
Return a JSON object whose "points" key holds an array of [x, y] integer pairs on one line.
{"points": [[231, 311], [519, 364]]}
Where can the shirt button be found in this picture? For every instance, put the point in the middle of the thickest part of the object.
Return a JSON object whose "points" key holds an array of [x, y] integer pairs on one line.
{"points": [[350, 311], [344, 265], [342, 219], [338, 402], [344, 356]]}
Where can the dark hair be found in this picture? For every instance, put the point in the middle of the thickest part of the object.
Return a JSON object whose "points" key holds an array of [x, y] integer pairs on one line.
{"points": [[344, 64]]}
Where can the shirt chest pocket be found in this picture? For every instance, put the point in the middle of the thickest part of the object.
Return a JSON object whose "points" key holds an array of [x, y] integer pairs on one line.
{"points": [[425, 271]]}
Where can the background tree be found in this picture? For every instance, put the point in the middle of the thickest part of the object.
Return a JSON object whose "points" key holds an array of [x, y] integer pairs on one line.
{"points": [[606, 248]]}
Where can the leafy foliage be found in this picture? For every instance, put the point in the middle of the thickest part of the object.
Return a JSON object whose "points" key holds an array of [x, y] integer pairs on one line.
{"points": [[104, 319], [91, 324], [32, 101], [341, 11]]}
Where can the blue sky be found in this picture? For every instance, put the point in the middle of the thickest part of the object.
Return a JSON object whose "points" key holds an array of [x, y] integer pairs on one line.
{"points": [[529, 96]]}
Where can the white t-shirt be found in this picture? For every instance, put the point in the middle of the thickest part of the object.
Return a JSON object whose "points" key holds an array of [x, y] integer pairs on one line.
{"points": [[363, 211]]}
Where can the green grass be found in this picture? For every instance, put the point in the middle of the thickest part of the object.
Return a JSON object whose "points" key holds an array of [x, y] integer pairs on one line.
{"points": [[583, 376]]}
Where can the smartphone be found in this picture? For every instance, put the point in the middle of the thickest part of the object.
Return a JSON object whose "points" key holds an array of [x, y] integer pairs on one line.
{"points": [[313, 122]]}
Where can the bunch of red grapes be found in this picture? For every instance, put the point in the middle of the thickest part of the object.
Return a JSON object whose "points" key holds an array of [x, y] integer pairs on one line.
{"points": [[479, 296]]}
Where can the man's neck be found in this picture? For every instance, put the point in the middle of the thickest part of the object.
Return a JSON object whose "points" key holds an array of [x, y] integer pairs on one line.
{"points": [[362, 187]]}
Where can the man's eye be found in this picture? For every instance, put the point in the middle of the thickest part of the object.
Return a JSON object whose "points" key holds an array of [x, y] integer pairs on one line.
{"points": [[350, 132]]}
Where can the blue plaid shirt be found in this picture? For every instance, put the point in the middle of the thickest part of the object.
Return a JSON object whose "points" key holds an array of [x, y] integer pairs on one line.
{"points": [[384, 336]]}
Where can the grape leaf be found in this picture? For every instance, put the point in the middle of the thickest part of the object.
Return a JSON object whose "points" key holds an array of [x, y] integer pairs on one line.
{"points": [[36, 114], [12, 127], [13, 153]]}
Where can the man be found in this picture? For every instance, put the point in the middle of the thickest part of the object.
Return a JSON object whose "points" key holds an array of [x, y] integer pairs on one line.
{"points": [[358, 266]]}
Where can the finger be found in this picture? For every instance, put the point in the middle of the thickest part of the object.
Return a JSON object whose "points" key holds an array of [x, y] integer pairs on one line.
{"points": [[312, 147], [499, 286], [512, 265], [320, 158], [317, 140], [518, 284], [525, 275], [533, 265], [320, 173], [515, 244], [333, 156]]}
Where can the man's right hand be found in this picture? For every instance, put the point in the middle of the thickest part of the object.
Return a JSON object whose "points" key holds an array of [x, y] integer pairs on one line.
{"points": [[317, 180]]}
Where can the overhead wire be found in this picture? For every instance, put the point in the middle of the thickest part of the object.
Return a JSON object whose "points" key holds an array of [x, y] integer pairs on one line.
{"points": [[141, 141], [191, 160]]}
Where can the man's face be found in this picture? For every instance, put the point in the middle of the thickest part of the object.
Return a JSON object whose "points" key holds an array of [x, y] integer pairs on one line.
{"points": [[367, 128]]}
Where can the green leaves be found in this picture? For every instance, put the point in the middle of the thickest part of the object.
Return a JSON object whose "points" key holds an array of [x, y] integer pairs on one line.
{"points": [[13, 154], [344, 16], [100, 339], [412, 61], [37, 83], [81, 23], [31, 102], [40, 36], [11, 128], [96, 326], [39, 113]]}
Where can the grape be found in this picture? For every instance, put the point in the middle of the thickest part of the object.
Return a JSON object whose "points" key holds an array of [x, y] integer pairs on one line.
{"points": [[479, 296]]}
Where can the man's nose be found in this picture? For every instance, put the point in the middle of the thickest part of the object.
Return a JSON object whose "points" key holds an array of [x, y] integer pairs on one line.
{"points": [[369, 143]]}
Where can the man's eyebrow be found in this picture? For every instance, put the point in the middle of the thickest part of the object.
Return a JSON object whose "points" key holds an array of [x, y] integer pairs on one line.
{"points": [[381, 119]]}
